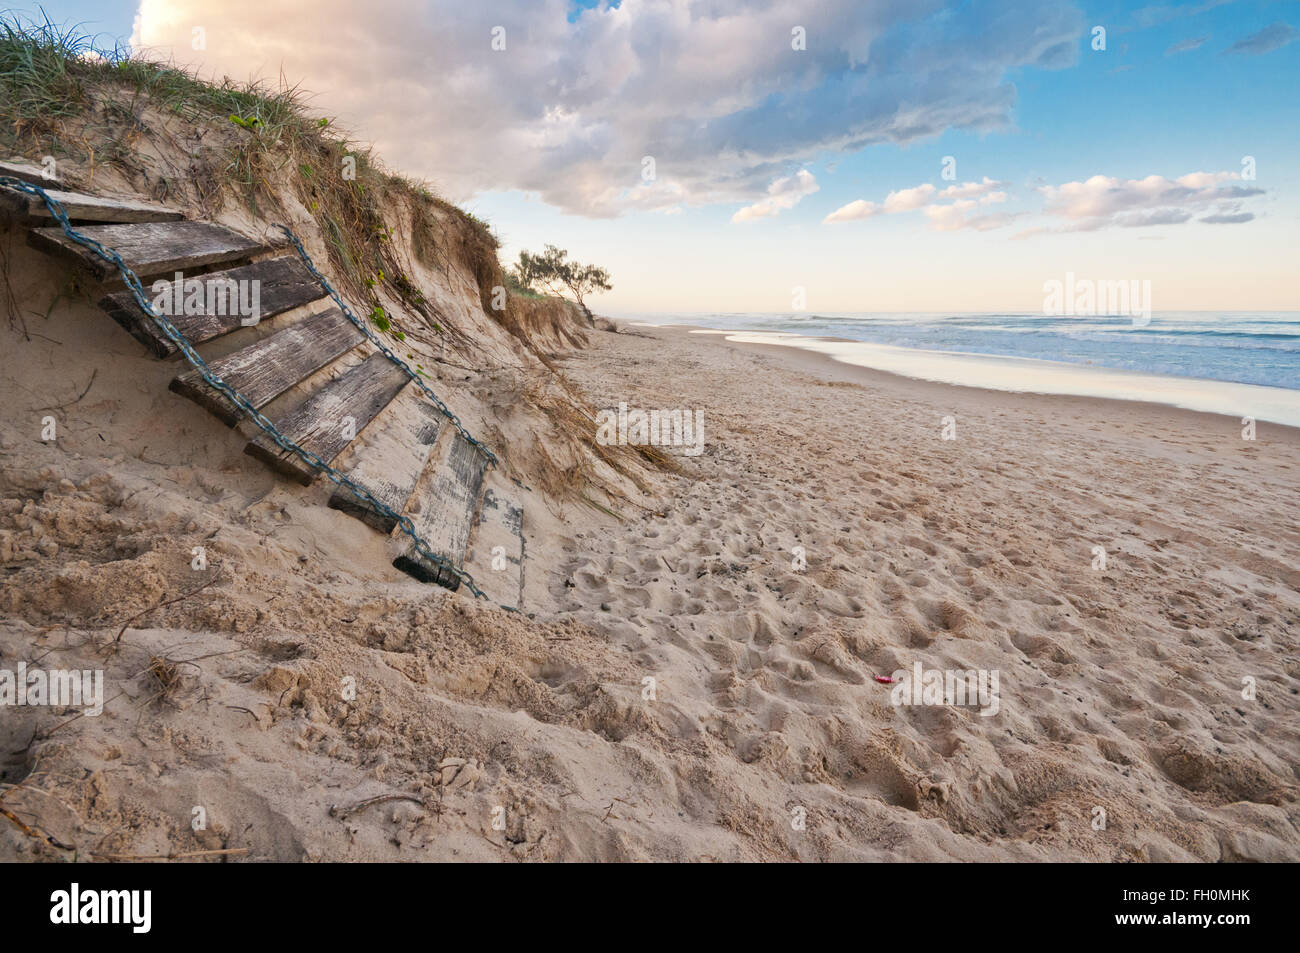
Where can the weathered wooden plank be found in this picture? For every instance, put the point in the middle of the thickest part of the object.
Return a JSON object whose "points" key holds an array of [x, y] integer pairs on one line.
{"points": [[80, 207], [280, 284], [496, 553], [448, 498], [265, 370], [20, 169], [390, 457], [151, 248], [332, 416]]}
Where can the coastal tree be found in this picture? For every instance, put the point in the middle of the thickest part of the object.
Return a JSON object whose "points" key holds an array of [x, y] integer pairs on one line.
{"points": [[553, 272]]}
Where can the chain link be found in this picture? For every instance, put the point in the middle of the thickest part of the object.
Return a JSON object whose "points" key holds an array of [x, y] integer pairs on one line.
{"points": [[213, 380], [374, 339]]}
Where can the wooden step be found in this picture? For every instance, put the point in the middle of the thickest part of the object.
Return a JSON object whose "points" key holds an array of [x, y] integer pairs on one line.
{"points": [[150, 248], [80, 207], [389, 459], [283, 284], [27, 172], [496, 553], [447, 499], [332, 416], [265, 370]]}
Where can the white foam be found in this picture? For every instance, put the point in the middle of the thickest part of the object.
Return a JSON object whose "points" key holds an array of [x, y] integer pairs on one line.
{"points": [[1022, 374]]}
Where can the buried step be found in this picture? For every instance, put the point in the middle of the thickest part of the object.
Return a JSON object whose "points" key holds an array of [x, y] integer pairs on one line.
{"points": [[30, 209], [496, 553], [389, 458], [42, 175], [265, 370], [447, 499], [331, 417], [150, 248], [215, 304]]}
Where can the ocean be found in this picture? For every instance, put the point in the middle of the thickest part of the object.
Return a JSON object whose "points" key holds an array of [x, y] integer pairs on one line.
{"points": [[1236, 363]]}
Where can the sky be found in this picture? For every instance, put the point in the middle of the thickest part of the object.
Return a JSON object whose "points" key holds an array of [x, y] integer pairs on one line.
{"points": [[831, 156]]}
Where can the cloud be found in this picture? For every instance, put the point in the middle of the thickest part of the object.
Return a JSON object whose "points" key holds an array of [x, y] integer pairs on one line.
{"points": [[1156, 15], [950, 218], [903, 200], [852, 212], [1098, 202], [971, 189], [713, 91], [1157, 216], [1228, 218], [1267, 40], [781, 194], [1109, 202], [1185, 46], [966, 196], [907, 200]]}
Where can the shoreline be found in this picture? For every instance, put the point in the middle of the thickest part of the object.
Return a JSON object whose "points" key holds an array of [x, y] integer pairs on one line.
{"points": [[822, 364]]}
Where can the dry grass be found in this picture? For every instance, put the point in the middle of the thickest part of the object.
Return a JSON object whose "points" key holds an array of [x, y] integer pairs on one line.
{"points": [[537, 320], [165, 679], [561, 460]]}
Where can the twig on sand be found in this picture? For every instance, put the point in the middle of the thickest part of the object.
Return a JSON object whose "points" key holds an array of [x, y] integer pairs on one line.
{"points": [[609, 811], [139, 615], [343, 813], [77, 399], [16, 319], [34, 832], [463, 367], [176, 855], [668, 564], [80, 714], [604, 509]]}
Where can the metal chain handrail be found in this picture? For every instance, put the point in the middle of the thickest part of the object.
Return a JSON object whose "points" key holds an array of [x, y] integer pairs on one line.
{"points": [[374, 339], [213, 380]]}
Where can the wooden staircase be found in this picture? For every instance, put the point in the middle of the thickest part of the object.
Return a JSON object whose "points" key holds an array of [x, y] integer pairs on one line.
{"points": [[384, 433]]}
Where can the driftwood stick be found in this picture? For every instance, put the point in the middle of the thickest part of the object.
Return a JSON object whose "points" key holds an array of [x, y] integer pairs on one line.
{"points": [[139, 615], [76, 399], [180, 855], [32, 831], [342, 813]]}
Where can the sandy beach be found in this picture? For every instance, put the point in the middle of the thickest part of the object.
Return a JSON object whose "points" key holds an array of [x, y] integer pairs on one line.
{"points": [[1121, 688], [685, 683], [648, 433]]}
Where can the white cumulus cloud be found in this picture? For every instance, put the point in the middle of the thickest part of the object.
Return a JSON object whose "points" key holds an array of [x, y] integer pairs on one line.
{"points": [[570, 101], [968, 190], [1104, 201], [943, 215], [857, 209], [782, 194]]}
